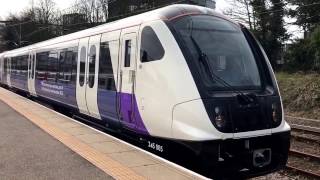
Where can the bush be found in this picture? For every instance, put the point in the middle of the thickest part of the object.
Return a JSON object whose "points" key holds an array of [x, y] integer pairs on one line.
{"points": [[304, 54]]}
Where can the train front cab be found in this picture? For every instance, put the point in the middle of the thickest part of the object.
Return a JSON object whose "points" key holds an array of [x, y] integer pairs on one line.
{"points": [[237, 125]]}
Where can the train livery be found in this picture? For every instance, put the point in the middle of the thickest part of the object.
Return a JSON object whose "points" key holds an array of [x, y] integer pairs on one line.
{"points": [[181, 73]]}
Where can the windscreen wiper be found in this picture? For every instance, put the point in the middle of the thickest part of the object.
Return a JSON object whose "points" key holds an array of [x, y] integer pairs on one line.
{"points": [[203, 58]]}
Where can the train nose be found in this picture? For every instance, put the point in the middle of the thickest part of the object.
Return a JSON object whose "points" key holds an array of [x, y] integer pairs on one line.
{"points": [[261, 157]]}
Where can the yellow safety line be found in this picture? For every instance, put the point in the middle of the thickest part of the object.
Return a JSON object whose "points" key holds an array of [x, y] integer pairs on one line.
{"points": [[100, 160]]}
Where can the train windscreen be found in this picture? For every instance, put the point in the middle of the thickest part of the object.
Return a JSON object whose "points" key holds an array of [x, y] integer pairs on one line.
{"points": [[221, 52]]}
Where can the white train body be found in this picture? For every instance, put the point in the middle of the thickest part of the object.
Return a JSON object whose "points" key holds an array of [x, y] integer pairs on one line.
{"points": [[155, 82]]}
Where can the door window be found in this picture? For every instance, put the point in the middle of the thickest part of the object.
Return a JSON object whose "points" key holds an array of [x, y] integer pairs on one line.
{"points": [[82, 65], [106, 78], [32, 66], [127, 54], [29, 68], [92, 65]]}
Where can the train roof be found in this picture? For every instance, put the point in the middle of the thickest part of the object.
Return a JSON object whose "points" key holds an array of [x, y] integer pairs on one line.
{"points": [[166, 13]]}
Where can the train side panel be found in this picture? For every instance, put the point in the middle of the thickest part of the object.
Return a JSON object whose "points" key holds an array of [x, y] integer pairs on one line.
{"points": [[55, 73]]}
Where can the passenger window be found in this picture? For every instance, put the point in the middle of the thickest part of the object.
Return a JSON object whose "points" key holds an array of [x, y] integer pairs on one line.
{"points": [[42, 65], [25, 65], [68, 65], [106, 77], [151, 48], [13, 65], [61, 65], [127, 57], [92, 65], [5, 66], [53, 66], [83, 55]]}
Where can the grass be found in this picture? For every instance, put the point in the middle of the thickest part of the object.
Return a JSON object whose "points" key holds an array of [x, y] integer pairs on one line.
{"points": [[300, 94]]}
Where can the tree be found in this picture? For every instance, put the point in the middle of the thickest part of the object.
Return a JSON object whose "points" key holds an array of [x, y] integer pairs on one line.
{"points": [[241, 11], [46, 11], [32, 25], [278, 32], [269, 27], [306, 12]]}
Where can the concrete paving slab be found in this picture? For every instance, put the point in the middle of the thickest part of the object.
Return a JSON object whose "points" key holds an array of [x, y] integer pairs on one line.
{"points": [[132, 159], [110, 147], [57, 120], [79, 131], [68, 125], [93, 138], [159, 172]]}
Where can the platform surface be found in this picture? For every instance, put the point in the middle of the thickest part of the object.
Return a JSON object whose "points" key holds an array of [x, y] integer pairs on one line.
{"points": [[27, 152], [38, 143]]}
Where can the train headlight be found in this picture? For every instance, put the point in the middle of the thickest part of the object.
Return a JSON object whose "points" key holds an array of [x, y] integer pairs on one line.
{"points": [[276, 113], [220, 119]]}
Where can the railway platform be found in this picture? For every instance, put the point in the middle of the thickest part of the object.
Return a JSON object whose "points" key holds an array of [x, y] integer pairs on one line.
{"points": [[39, 143]]}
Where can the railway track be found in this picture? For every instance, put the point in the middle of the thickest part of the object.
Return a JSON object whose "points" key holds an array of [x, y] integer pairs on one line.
{"points": [[304, 155], [305, 133], [304, 138], [303, 163], [303, 119], [309, 129], [303, 172], [308, 173]]}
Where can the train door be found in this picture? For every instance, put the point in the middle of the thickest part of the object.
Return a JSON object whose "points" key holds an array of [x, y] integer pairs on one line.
{"points": [[127, 78], [31, 73], [9, 72], [87, 76]]}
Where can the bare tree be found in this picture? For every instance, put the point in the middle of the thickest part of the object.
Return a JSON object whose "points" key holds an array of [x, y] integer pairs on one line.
{"points": [[46, 11], [241, 11], [104, 5], [92, 9]]}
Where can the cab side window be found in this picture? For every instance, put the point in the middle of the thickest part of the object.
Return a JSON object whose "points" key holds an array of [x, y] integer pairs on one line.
{"points": [[151, 48]]}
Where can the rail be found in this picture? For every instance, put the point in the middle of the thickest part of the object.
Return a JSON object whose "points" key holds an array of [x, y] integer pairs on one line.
{"points": [[305, 119], [303, 172], [313, 130], [300, 170]]}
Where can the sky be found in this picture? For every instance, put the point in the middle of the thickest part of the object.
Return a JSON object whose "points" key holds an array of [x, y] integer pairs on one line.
{"points": [[14, 6]]}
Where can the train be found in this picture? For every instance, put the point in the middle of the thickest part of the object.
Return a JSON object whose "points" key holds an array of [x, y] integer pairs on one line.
{"points": [[181, 73]]}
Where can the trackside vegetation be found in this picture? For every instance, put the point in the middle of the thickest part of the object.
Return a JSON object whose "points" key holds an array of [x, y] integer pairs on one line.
{"points": [[300, 93]]}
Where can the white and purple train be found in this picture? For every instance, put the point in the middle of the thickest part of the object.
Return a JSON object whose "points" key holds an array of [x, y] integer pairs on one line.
{"points": [[182, 74]]}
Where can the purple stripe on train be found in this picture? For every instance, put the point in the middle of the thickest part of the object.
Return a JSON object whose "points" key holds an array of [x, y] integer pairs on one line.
{"points": [[65, 93], [131, 116]]}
